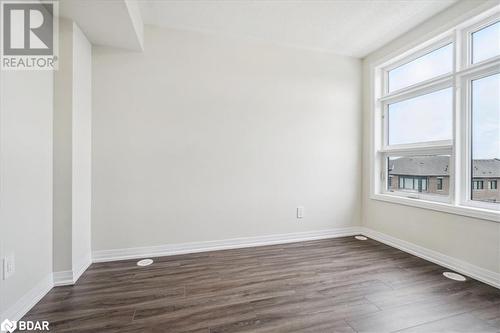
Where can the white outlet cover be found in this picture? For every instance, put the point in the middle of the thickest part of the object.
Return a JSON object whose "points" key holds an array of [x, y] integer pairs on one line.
{"points": [[300, 212], [144, 262], [455, 276], [9, 266]]}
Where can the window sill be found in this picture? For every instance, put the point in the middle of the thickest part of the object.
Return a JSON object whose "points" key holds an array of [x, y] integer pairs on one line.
{"points": [[479, 213]]}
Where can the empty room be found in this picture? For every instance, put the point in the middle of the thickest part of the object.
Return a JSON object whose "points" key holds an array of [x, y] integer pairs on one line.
{"points": [[250, 166]]}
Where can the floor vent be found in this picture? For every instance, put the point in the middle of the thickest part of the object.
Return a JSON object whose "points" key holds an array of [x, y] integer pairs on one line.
{"points": [[144, 262], [359, 237], [454, 276]]}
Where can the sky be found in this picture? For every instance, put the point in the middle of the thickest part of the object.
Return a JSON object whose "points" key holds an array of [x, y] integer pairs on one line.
{"points": [[486, 97], [429, 117], [421, 119], [486, 43], [486, 117], [426, 67]]}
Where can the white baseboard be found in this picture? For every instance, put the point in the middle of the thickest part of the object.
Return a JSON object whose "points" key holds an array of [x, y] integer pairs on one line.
{"points": [[478, 273], [68, 278], [81, 267], [28, 300], [473, 271], [234, 243], [63, 278]]}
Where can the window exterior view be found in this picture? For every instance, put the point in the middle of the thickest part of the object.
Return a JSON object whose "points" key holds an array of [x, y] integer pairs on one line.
{"points": [[431, 175], [436, 121], [485, 179], [425, 174]]}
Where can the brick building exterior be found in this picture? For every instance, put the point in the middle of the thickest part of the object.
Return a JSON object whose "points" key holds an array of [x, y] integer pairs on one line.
{"points": [[485, 181], [431, 174]]}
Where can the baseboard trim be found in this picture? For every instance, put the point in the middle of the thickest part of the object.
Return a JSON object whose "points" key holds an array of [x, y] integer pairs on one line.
{"points": [[473, 271], [82, 267], [68, 278], [63, 278], [234, 243], [28, 300]]}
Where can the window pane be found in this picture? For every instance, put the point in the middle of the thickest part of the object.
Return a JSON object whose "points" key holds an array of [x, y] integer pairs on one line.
{"points": [[421, 119], [426, 174], [435, 63], [486, 43], [485, 137]]}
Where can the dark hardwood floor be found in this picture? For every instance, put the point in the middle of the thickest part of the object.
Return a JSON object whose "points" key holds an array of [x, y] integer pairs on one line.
{"points": [[333, 285]]}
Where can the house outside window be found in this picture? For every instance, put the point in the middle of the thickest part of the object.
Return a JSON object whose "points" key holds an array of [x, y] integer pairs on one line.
{"points": [[418, 174]]}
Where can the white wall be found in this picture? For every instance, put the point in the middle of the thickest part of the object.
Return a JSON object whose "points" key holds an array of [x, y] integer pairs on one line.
{"points": [[81, 154], [25, 182], [206, 138], [72, 150], [63, 99], [472, 240]]}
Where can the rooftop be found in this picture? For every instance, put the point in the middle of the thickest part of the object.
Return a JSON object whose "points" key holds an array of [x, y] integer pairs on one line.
{"points": [[439, 166], [486, 168]]}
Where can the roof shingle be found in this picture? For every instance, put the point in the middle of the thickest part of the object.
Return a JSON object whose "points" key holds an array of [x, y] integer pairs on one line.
{"points": [[439, 166]]}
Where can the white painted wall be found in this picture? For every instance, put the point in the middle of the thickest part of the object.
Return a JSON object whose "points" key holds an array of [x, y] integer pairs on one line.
{"points": [[472, 240], [72, 150], [25, 182], [63, 99], [207, 138], [81, 153]]}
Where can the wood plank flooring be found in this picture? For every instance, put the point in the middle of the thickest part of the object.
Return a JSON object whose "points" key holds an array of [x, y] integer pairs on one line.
{"points": [[333, 285]]}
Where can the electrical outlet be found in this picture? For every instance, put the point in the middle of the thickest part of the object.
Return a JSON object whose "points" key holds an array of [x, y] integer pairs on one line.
{"points": [[300, 212], [9, 266]]}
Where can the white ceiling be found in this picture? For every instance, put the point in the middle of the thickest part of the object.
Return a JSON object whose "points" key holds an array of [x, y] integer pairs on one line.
{"points": [[354, 28]]}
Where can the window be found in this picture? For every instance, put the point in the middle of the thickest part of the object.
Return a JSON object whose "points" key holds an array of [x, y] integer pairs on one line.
{"points": [[432, 64], [478, 185], [415, 173], [421, 119], [486, 43], [485, 140], [412, 183], [436, 122]]}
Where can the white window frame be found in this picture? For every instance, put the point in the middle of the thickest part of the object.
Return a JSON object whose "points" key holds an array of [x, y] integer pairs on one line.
{"points": [[466, 108], [419, 89], [458, 148], [466, 40]]}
